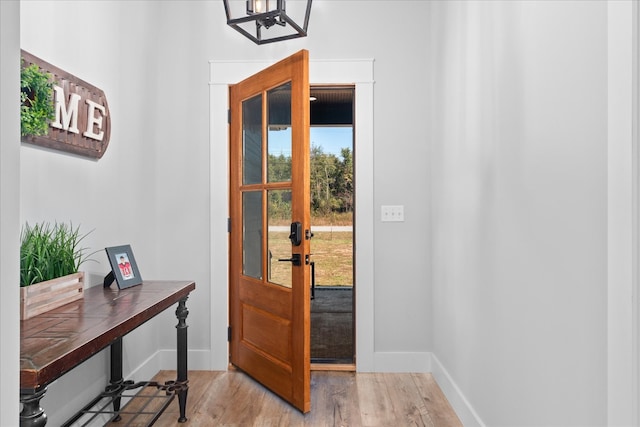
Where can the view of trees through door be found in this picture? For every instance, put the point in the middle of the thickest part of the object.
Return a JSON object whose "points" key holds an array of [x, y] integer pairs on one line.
{"points": [[332, 213]]}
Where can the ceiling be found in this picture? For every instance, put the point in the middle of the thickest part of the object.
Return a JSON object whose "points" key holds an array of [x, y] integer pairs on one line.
{"points": [[330, 105], [333, 105]]}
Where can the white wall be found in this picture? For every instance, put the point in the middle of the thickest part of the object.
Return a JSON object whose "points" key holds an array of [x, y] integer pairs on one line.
{"points": [[519, 160]]}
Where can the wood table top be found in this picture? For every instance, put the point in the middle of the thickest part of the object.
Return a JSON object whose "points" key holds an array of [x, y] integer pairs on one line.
{"points": [[54, 342]]}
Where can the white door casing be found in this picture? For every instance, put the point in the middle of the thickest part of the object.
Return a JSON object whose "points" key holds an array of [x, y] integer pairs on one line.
{"points": [[358, 72]]}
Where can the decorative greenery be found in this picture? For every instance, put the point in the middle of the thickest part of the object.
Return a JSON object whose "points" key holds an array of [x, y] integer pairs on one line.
{"points": [[48, 252], [36, 98]]}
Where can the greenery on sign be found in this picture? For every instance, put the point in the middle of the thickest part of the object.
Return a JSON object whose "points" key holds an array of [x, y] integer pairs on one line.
{"points": [[36, 101], [50, 251]]}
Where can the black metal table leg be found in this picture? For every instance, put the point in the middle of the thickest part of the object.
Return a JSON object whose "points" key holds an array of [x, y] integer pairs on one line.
{"points": [[116, 383], [182, 383], [32, 414]]}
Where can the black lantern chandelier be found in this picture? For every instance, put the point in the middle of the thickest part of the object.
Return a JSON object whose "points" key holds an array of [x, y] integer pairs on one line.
{"points": [[268, 19]]}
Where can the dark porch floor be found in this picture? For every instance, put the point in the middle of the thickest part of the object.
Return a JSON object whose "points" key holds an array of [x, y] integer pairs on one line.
{"points": [[332, 334]]}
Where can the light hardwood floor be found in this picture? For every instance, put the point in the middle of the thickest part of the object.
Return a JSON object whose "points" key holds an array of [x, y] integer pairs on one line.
{"points": [[337, 399]]}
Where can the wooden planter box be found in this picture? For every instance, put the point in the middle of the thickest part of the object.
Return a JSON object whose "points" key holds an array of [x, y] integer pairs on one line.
{"points": [[44, 296]]}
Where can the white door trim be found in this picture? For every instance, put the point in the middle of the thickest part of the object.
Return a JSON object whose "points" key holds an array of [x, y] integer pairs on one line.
{"points": [[623, 329], [355, 71], [635, 142]]}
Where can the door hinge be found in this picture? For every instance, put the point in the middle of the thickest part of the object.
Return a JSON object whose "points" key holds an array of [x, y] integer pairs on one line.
{"points": [[228, 225], [228, 333], [229, 116]]}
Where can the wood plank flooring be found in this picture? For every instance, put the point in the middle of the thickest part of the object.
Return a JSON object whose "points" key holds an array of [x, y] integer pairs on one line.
{"points": [[337, 399]]}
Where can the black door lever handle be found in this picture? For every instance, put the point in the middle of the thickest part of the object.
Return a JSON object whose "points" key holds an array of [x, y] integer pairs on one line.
{"points": [[295, 259]]}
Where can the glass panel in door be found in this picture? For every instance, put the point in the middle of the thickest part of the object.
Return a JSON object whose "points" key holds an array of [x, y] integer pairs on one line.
{"points": [[279, 134], [279, 217], [252, 140], [252, 234]]}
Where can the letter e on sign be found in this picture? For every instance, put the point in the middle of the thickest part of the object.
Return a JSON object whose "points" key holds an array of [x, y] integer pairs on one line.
{"points": [[93, 121]]}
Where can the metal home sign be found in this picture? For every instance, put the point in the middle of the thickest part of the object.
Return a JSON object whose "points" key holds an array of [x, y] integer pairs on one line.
{"points": [[82, 124]]}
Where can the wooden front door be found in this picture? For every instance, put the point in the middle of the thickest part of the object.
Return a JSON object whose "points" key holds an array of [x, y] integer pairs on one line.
{"points": [[270, 228]]}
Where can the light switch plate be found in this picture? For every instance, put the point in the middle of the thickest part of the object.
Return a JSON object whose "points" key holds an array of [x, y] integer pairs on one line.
{"points": [[392, 213]]}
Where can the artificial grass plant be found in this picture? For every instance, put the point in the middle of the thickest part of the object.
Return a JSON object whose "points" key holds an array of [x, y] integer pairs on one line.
{"points": [[50, 251]]}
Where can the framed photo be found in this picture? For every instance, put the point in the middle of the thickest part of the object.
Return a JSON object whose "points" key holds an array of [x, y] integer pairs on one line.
{"points": [[123, 266]]}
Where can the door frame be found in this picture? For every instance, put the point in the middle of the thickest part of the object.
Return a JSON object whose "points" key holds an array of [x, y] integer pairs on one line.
{"points": [[623, 211], [356, 71]]}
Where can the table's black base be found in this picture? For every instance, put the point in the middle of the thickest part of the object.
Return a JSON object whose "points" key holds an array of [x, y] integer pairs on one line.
{"points": [[32, 414], [144, 402]]}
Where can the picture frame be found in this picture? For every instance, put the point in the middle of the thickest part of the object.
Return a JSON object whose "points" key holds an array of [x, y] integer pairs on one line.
{"points": [[124, 268]]}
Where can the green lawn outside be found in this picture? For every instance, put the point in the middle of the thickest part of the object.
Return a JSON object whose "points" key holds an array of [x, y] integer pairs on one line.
{"points": [[332, 252]]}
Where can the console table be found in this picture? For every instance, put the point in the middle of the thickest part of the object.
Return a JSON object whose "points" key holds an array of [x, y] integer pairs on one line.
{"points": [[54, 342]]}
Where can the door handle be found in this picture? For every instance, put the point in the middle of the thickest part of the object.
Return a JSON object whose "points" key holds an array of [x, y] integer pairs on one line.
{"points": [[296, 233], [295, 259]]}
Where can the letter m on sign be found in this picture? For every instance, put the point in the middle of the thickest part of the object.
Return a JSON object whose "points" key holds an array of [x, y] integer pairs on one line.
{"points": [[66, 115]]}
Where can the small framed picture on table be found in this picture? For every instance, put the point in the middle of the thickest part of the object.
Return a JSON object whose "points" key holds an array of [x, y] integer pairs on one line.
{"points": [[123, 267]]}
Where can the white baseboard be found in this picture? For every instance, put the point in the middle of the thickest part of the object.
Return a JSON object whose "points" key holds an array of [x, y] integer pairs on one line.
{"points": [[146, 370], [165, 360], [200, 360], [197, 360], [454, 395], [401, 362]]}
